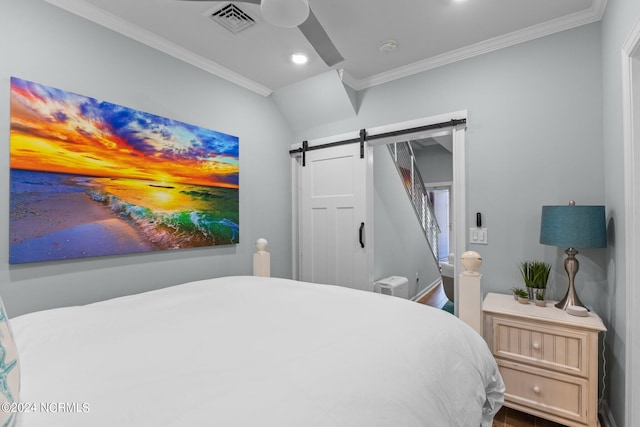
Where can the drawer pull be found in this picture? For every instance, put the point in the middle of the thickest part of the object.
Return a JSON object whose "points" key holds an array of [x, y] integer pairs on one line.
{"points": [[536, 389], [536, 346]]}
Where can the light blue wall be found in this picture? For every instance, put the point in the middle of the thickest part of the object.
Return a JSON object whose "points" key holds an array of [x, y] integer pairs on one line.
{"points": [[435, 163], [47, 45], [400, 246], [620, 17], [534, 138]]}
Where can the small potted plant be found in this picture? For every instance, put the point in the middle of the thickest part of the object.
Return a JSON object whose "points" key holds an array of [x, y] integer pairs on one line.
{"points": [[540, 302], [520, 295], [535, 275]]}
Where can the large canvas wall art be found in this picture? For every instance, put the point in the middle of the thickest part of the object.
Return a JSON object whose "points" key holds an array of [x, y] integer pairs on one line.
{"points": [[92, 178]]}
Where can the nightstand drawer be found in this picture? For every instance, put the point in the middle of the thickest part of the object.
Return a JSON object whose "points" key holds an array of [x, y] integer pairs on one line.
{"points": [[563, 350], [549, 392]]}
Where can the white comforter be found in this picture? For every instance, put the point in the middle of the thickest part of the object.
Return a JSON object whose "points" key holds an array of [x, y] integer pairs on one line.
{"points": [[247, 351]]}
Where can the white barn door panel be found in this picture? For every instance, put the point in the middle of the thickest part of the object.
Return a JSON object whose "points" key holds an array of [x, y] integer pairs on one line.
{"points": [[333, 217]]}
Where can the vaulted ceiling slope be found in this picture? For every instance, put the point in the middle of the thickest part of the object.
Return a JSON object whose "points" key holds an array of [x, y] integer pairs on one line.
{"points": [[380, 41]]}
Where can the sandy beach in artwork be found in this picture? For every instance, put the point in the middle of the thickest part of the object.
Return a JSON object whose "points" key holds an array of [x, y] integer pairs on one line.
{"points": [[50, 226], [61, 216]]}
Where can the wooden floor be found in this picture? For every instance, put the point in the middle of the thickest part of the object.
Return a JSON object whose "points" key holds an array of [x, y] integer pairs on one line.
{"points": [[506, 417], [435, 298]]}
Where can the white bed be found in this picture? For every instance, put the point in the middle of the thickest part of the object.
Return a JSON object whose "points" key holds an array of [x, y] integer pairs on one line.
{"points": [[249, 351]]}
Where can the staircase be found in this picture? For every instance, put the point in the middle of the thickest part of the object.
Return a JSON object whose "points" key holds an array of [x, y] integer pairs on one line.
{"points": [[405, 162]]}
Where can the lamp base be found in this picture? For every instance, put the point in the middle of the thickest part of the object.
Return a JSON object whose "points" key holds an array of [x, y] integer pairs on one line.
{"points": [[571, 266], [571, 298]]}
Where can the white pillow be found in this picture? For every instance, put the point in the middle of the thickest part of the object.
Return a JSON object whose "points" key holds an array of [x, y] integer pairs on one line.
{"points": [[9, 372]]}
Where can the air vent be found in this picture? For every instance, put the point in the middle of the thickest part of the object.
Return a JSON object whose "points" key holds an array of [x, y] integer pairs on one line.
{"points": [[233, 18]]}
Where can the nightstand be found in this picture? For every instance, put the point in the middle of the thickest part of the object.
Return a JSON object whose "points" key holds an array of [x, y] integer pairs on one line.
{"points": [[548, 359]]}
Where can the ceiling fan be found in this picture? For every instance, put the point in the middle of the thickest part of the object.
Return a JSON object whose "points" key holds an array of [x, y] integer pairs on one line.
{"points": [[297, 13]]}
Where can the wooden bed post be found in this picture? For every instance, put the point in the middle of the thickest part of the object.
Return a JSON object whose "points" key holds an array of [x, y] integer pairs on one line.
{"points": [[469, 292]]}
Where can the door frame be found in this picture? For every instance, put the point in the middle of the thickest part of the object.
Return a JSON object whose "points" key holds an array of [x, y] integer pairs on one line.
{"points": [[631, 140], [458, 234], [445, 185]]}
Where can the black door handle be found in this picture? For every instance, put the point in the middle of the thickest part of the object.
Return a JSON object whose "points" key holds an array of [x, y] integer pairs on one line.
{"points": [[361, 234]]}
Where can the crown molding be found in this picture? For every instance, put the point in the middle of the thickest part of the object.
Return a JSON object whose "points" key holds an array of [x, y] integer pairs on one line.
{"points": [[567, 22], [119, 25]]}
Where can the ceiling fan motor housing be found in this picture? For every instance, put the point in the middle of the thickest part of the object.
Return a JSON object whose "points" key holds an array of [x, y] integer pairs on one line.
{"points": [[285, 13]]}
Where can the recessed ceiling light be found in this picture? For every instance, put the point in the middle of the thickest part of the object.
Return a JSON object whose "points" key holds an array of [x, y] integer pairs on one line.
{"points": [[299, 58]]}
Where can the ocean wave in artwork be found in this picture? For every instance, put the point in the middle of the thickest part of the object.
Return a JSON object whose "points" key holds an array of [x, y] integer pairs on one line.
{"points": [[62, 216], [173, 229]]}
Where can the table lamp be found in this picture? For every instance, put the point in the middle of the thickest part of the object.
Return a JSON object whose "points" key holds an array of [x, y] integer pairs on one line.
{"points": [[573, 227]]}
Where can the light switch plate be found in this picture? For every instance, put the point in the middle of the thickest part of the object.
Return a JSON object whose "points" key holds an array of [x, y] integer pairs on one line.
{"points": [[478, 236]]}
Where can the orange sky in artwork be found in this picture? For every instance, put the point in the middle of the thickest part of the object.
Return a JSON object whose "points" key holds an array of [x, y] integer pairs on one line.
{"points": [[57, 131]]}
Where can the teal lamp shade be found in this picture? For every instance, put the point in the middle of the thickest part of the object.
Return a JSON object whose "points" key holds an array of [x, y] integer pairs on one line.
{"points": [[573, 227]]}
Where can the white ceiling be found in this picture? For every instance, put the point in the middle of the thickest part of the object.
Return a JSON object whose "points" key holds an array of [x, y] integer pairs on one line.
{"points": [[428, 33]]}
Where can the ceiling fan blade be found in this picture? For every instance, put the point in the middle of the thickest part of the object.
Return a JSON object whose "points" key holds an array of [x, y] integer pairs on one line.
{"points": [[319, 39]]}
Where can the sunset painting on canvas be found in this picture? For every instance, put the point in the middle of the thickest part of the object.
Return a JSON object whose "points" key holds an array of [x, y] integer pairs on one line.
{"points": [[92, 178]]}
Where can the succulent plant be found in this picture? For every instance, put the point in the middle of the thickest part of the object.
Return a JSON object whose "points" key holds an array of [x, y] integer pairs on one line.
{"points": [[520, 292]]}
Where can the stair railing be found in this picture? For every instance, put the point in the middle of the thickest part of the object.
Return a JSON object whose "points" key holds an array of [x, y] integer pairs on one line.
{"points": [[405, 162]]}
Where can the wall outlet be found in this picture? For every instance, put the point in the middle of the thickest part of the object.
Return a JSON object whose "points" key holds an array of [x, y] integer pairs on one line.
{"points": [[478, 236]]}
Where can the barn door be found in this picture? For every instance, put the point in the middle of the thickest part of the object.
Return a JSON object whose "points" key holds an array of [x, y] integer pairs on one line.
{"points": [[335, 230]]}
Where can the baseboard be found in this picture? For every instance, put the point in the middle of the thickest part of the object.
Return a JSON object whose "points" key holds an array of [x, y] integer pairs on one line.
{"points": [[606, 418], [428, 289]]}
